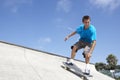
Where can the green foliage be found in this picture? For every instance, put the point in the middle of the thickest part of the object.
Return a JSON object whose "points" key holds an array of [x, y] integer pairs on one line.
{"points": [[112, 65], [118, 67], [100, 66], [112, 61], [118, 78]]}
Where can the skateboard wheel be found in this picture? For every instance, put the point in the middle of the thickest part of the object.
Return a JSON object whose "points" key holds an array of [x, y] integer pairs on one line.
{"points": [[82, 78], [67, 68]]}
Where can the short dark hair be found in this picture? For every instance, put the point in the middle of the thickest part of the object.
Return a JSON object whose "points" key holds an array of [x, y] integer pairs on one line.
{"points": [[85, 17]]}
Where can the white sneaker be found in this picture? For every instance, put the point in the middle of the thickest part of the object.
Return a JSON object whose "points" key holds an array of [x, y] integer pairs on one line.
{"points": [[87, 72], [70, 62]]}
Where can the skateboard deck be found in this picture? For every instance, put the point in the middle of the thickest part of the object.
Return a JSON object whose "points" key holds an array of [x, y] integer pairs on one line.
{"points": [[74, 68]]}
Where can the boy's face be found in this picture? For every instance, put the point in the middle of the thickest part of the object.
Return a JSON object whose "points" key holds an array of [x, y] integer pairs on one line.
{"points": [[86, 22]]}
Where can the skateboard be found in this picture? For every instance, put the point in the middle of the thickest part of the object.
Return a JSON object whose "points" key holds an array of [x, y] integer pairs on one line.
{"points": [[76, 70]]}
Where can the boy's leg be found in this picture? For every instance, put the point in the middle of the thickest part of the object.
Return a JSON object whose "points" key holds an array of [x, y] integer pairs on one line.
{"points": [[74, 48], [73, 53], [87, 60], [87, 68]]}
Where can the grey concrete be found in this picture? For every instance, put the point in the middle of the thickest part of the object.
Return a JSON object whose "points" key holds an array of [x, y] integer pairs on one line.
{"points": [[20, 63]]}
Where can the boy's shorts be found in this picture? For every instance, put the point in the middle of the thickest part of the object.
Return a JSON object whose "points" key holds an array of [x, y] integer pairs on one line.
{"points": [[82, 44]]}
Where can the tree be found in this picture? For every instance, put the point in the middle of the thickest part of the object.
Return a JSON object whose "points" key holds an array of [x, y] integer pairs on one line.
{"points": [[112, 61], [100, 66], [118, 67]]}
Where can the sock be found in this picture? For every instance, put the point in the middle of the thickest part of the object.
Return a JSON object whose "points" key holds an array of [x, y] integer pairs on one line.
{"points": [[71, 60], [87, 68]]}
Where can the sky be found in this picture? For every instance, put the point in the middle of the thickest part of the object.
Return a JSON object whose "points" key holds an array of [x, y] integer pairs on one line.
{"points": [[43, 25]]}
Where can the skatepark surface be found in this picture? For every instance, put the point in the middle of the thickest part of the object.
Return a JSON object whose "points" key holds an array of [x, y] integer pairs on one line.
{"points": [[22, 63]]}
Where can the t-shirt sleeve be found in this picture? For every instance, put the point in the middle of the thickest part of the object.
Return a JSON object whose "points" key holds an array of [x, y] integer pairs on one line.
{"points": [[78, 30], [94, 35]]}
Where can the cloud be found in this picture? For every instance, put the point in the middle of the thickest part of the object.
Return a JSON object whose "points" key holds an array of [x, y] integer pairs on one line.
{"points": [[45, 40], [14, 5], [64, 5], [70, 29], [61, 24], [43, 43], [106, 4]]}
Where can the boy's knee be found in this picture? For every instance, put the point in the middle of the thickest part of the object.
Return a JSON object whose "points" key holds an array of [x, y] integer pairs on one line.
{"points": [[74, 48], [86, 55]]}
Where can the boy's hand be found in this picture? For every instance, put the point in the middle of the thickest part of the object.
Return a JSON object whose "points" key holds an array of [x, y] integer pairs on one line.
{"points": [[88, 55], [66, 38], [73, 33]]}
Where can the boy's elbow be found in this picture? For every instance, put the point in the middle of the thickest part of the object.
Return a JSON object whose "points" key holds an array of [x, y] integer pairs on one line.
{"points": [[94, 42]]}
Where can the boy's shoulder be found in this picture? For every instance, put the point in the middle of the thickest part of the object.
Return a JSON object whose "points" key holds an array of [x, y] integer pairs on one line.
{"points": [[81, 26], [91, 26]]}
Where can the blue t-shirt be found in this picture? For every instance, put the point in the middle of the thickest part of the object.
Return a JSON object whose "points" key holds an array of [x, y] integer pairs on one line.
{"points": [[87, 35]]}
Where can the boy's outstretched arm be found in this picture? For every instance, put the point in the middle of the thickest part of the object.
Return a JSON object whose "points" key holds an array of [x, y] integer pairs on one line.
{"points": [[67, 37]]}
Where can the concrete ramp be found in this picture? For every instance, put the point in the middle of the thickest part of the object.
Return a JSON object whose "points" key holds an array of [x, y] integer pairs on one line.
{"points": [[21, 63]]}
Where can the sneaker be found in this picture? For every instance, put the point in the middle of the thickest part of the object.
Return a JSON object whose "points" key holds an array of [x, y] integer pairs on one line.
{"points": [[69, 63], [87, 73]]}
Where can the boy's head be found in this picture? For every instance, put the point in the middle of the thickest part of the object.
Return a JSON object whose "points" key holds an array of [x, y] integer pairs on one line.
{"points": [[86, 21]]}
